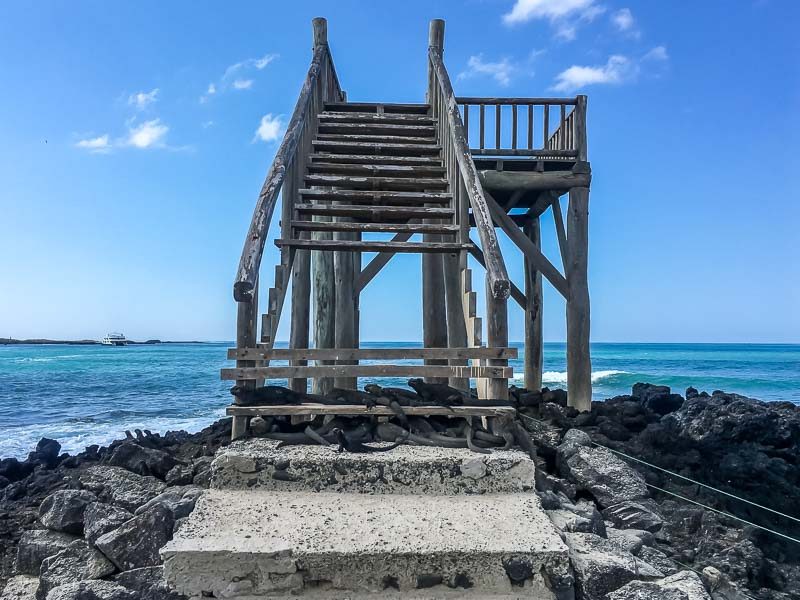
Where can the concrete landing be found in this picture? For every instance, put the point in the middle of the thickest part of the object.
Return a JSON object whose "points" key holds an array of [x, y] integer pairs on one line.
{"points": [[265, 543], [259, 463]]}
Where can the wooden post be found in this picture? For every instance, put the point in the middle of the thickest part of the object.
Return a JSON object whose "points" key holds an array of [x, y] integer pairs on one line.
{"points": [[579, 364], [320, 27], [533, 313], [496, 337], [344, 336], [301, 295], [246, 332], [434, 314], [324, 286], [580, 128], [456, 325]]}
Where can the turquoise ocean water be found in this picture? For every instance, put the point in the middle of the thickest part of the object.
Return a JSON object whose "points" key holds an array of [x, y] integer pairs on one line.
{"points": [[83, 395]]}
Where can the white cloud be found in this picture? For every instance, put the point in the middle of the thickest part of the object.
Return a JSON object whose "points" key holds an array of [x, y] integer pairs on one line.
{"points": [[260, 63], [142, 100], [616, 70], [269, 129], [501, 71], [149, 134], [563, 15], [242, 84], [207, 124], [623, 19], [658, 53], [233, 76], [97, 145]]}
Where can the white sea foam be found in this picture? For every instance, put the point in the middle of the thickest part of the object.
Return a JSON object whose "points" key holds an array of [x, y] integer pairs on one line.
{"points": [[560, 377]]}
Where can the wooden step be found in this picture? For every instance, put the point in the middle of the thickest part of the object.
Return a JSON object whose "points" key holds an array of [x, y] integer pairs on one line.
{"points": [[378, 108], [376, 227], [377, 148], [374, 159], [368, 353], [377, 183], [396, 198], [385, 129], [382, 119], [363, 137], [377, 170], [246, 373], [373, 246], [375, 212]]}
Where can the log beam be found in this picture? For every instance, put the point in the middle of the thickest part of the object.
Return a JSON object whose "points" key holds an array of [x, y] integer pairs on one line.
{"points": [[579, 364], [534, 347]]}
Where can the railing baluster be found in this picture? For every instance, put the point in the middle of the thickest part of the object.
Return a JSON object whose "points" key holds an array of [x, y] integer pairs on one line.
{"points": [[497, 114], [562, 138], [466, 121], [546, 134], [530, 126], [513, 126], [482, 111]]}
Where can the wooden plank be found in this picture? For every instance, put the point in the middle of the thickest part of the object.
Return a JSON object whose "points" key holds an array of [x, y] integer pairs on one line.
{"points": [[532, 101], [535, 255], [516, 293], [374, 246], [378, 138], [388, 129], [534, 347], [377, 227], [375, 212], [512, 181], [367, 353], [391, 107], [360, 159], [443, 371], [357, 409], [377, 148], [537, 153], [377, 170], [384, 118], [378, 196], [579, 362], [377, 183]]}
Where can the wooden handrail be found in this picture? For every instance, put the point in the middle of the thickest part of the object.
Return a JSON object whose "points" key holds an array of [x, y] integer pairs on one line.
{"points": [[443, 99], [250, 261]]}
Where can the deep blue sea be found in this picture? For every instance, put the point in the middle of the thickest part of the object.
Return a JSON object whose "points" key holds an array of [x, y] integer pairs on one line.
{"points": [[83, 395]]}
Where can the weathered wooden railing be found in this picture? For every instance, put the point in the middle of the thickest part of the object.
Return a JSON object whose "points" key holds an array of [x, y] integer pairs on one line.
{"points": [[285, 177], [530, 129], [468, 192]]}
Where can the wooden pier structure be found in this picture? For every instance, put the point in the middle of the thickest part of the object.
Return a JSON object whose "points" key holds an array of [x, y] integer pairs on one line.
{"points": [[441, 178]]}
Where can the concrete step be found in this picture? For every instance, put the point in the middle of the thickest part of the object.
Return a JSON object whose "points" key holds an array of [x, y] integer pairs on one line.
{"points": [[259, 464], [259, 543]]}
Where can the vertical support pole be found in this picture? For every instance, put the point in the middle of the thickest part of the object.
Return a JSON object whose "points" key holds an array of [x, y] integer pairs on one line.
{"points": [[579, 364], [434, 314], [456, 325], [496, 337], [580, 129], [324, 306], [344, 337], [301, 296], [246, 332], [533, 313]]}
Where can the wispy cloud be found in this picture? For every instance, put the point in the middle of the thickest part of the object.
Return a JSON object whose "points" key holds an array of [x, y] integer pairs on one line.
{"points": [[142, 100], [618, 69], [563, 15], [233, 76], [269, 129], [624, 22], [96, 145], [501, 70], [149, 134]]}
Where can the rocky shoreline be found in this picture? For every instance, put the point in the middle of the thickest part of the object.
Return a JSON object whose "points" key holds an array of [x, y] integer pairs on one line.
{"points": [[89, 526]]}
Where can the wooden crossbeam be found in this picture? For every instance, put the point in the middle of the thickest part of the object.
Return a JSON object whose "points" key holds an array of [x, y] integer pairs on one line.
{"points": [[357, 409], [517, 294], [367, 353], [561, 232], [535, 255], [374, 267], [367, 371]]}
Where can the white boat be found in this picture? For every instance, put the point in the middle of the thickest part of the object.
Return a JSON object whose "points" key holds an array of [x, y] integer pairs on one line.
{"points": [[114, 339]]}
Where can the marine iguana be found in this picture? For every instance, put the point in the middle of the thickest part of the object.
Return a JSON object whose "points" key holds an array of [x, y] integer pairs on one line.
{"points": [[354, 445]]}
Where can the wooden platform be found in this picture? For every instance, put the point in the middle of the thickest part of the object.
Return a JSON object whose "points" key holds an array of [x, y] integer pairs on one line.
{"points": [[360, 410]]}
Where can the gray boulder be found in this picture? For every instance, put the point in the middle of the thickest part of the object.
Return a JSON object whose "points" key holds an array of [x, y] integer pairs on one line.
{"points": [[635, 515], [630, 540], [21, 587], [179, 501], [721, 587], [63, 510], [37, 544], [659, 560], [600, 566], [141, 460], [566, 520], [136, 543], [180, 474], [76, 562], [658, 398], [91, 590], [684, 585], [100, 518], [601, 473], [120, 487], [148, 583]]}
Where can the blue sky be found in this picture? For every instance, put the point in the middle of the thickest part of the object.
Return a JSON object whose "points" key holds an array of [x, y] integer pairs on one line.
{"points": [[127, 186]]}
